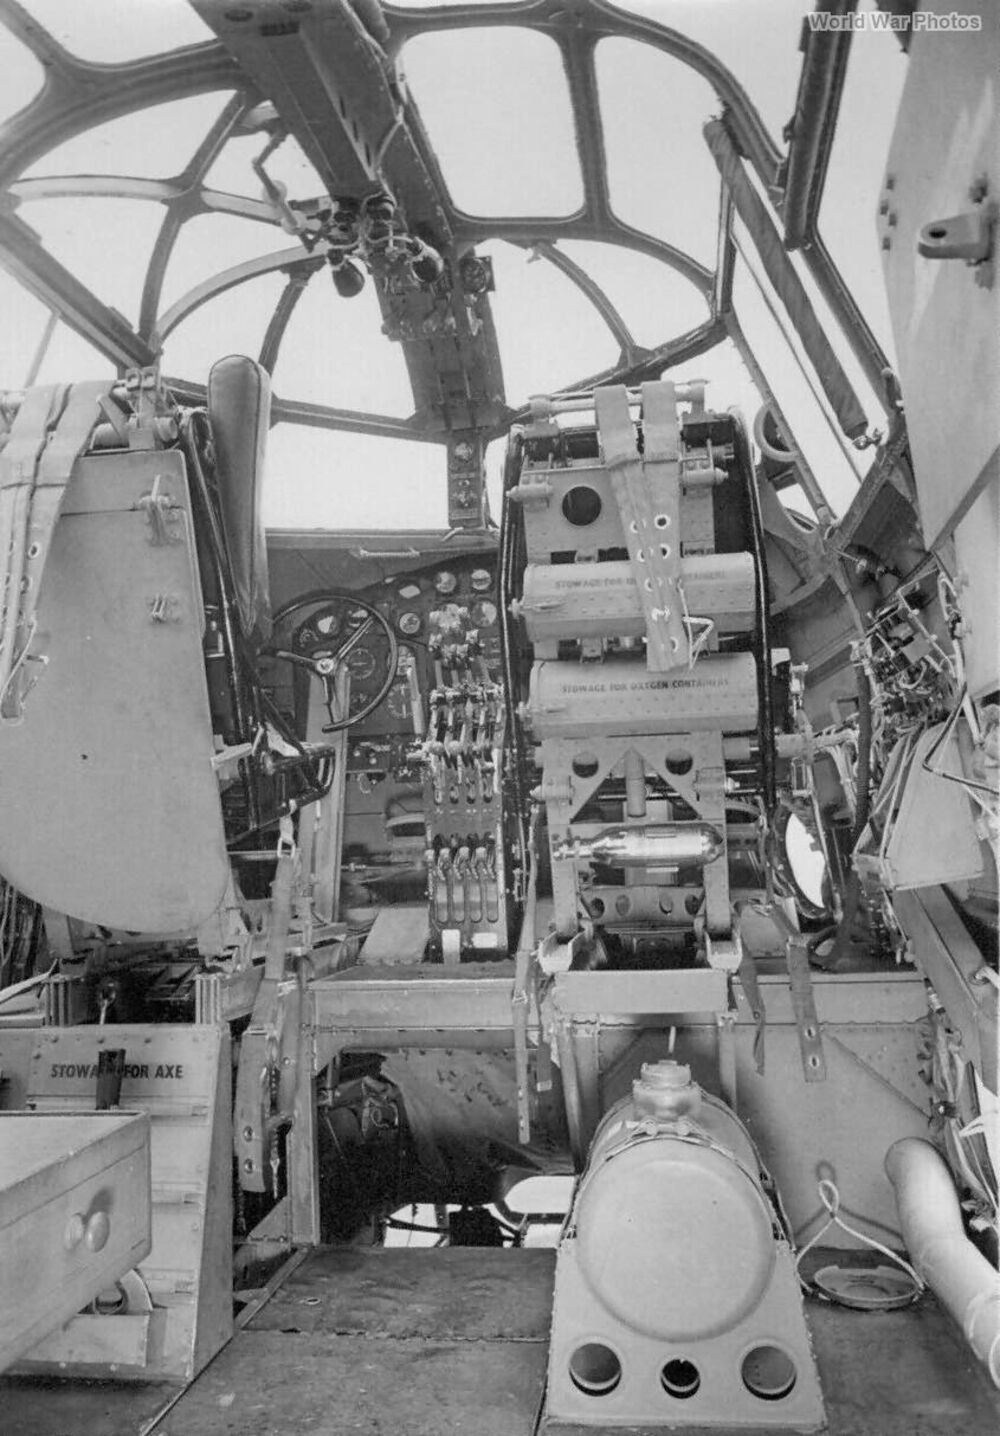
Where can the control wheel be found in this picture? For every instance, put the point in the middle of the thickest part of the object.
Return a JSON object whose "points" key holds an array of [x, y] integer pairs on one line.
{"points": [[327, 631]]}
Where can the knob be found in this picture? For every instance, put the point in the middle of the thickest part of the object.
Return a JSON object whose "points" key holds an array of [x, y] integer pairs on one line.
{"points": [[98, 1231], [74, 1232]]}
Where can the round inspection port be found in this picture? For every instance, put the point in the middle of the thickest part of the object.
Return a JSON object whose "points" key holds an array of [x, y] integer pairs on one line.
{"points": [[768, 1372], [581, 505], [594, 1369], [680, 1378], [678, 761]]}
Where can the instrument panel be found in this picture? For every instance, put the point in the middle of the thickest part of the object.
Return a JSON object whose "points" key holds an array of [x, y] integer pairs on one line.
{"points": [[458, 597]]}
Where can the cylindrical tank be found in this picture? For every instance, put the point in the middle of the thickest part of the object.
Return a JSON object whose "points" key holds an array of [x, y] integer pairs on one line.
{"points": [[674, 1233], [573, 699], [647, 845], [593, 600]]}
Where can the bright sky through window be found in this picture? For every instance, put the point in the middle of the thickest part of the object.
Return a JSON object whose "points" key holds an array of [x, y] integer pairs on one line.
{"points": [[497, 108]]}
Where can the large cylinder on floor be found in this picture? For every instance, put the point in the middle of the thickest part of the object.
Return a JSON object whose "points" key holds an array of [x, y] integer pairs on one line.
{"points": [[674, 1233]]}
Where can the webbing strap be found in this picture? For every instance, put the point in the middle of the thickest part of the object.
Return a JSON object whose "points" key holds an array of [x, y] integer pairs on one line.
{"points": [[18, 472], [755, 999], [647, 491], [804, 1007], [35, 469]]}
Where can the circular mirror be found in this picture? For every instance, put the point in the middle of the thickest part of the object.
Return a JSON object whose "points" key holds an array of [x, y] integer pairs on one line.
{"points": [[806, 865]]}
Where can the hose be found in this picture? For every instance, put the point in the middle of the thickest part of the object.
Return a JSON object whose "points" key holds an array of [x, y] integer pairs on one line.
{"points": [[959, 1275]]}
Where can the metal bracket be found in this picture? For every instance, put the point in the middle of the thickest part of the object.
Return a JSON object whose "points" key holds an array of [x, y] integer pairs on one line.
{"points": [[970, 237]]}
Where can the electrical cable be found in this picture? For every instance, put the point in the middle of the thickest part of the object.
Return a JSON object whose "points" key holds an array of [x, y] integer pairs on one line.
{"points": [[830, 1198], [744, 468]]}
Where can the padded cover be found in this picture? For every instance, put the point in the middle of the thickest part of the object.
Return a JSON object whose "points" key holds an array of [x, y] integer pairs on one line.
{"points": [[239, 408]]}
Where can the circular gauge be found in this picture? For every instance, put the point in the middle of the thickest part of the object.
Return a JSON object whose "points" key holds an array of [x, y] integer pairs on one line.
{"points": [[481, 580], [409, 623], [445, 581], [361, 662], [484, 613], [327, 624]]}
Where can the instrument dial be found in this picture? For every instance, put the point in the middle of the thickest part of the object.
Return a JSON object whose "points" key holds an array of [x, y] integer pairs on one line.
{"points": [[481, 580], [327, 624], [362, 663], [409, 623], [484, 613], [445, 581]]}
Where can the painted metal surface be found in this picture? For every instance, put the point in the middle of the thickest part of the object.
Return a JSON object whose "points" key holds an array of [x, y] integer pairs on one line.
{"points": [[180, 1077], [587, 600], [885, 1375], [74, 1216], [120, 619], [451, 1293], [578, 700], [945, 314], [675, 1290]]}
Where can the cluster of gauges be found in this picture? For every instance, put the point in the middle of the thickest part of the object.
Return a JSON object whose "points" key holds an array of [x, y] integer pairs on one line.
{"points": [[330, 631]]}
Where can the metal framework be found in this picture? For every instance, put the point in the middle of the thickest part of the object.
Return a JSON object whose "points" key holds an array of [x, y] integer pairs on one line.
{"points": [[77, 95]]}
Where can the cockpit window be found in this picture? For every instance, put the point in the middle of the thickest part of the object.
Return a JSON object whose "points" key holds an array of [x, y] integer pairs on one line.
{"points": [[793, 384], [232, 171], [107, 242], [156, 141], [334, 352], [501, 126], [317, 478], [658, 178], [651, 299], [542, 318], [233, 322], [228, 240], [596, 203], [755, 42], [876, 69], [114, 31]]}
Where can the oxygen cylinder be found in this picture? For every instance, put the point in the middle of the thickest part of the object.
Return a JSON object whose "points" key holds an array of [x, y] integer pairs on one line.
{"points": [[674, 1233]]}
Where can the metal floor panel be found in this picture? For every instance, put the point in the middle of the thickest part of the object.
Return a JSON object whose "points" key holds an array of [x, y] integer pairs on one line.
{"points": [[455, 1343], [269, 1383], [451, 1293]]}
